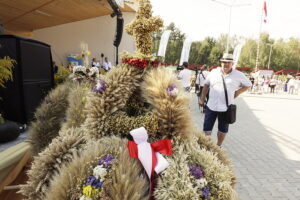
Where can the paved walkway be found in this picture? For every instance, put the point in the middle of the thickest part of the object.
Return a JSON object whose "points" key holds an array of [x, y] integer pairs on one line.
{"points": [[264, 146]]}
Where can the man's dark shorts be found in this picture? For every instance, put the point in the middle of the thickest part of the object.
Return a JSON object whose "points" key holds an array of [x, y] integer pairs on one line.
{"points": [[210, 119]]}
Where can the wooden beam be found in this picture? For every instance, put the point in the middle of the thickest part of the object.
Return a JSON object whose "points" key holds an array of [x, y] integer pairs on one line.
{"points": [[15, 172]]}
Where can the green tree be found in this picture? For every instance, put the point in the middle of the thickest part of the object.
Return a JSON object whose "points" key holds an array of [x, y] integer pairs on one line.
{"points": [[194, 57], [174, 46], [285, 53], [248, 54]]}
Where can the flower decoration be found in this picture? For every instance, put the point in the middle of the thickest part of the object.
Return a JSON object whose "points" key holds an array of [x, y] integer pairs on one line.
{"points": [[205, 193], [94, 183], [93, 72], [62, 75], [99, 172], [79, 69], [141, 63], [99, 87], [106, 161], [140, 60], [200, 181], [81, 72], [172, 90]]}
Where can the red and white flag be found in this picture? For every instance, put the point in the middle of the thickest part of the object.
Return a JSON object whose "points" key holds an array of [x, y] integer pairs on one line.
{"points": [[265, 11]]}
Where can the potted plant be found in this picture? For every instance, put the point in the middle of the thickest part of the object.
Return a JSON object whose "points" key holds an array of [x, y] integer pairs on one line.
{"points": [[8, 130]]}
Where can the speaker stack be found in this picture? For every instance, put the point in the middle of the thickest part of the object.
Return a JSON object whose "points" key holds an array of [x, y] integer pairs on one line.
{"points": [[32, 77]]}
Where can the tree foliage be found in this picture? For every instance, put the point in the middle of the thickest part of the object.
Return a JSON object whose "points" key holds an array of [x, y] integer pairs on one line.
{"points": [[174, 46], [285, 54]]}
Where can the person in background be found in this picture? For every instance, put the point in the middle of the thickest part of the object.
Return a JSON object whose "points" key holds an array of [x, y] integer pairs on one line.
{"points": [[297, 85], [291, 85], [260, 83], [236, 83], [185, 77], [266, 85], [202, 75], [252, 79], [102, 60], [95, 63], [272, 84], [106, 64]]}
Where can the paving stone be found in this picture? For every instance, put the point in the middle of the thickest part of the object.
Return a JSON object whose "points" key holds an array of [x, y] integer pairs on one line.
{"points": [[264, 146]]}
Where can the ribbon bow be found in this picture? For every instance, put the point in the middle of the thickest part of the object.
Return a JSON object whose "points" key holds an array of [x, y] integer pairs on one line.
{"points": [[148, 153]]}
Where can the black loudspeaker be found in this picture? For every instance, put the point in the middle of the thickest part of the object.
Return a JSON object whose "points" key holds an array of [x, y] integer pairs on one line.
{"points": [[32, 77], [119, 32]]}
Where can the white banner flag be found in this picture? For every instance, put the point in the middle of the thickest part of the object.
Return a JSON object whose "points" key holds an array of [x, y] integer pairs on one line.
{"points": [[185, 53], [120, 3], [236, 54], [163, 43]]}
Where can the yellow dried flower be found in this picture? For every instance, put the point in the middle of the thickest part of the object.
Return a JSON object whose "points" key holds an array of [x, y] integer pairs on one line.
{"points": [[87, 191]]}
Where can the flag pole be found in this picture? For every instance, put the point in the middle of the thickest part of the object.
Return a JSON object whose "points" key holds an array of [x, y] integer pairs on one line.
{"points": [[257, 50]]}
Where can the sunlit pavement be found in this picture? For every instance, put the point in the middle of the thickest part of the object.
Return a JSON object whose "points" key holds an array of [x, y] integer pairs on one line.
{"points": [[264, 145]]}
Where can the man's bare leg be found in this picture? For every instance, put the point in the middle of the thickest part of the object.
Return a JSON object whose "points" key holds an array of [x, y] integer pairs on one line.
{"points": [[221, 137]]}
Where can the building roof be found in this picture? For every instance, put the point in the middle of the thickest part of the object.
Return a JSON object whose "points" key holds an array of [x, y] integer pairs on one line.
{"points": [[21, 17], [285, 71]]}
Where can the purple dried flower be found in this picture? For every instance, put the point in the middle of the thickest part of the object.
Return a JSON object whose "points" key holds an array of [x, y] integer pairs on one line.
{"points": [[172, 90], [205, 193], [90, 180], [97, 183], [48, 101], [106, 160], [196, 171], [99, 87], [78, 79]]}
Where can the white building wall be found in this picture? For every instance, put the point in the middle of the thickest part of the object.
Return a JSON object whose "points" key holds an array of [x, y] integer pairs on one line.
{"points": [[98, 33]]}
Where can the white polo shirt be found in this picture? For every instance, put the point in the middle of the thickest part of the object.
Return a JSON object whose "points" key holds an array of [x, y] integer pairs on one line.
{"points": [[201, 77], [185, 76], [234, 80]]}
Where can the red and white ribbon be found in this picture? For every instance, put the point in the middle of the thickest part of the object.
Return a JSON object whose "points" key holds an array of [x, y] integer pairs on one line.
{"points": [[149, 154]]}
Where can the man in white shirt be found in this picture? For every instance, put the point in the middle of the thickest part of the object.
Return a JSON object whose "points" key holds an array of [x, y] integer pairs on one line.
{"points": [[236, 83], [106, 64], [185, 77]]}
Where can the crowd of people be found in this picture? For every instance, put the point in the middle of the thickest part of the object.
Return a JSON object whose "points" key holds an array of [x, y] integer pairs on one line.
{"points": [[218, 88], [102, 65], [275, 84]]}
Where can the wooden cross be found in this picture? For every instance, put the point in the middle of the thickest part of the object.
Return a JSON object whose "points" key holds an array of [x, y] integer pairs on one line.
{"points": [[143, 26]]}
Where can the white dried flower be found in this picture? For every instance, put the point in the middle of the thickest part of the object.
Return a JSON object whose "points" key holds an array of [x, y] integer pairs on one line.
{"points": [[79, 68], [84, 198], [99, 172], [94, 70], [201, 182]]}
